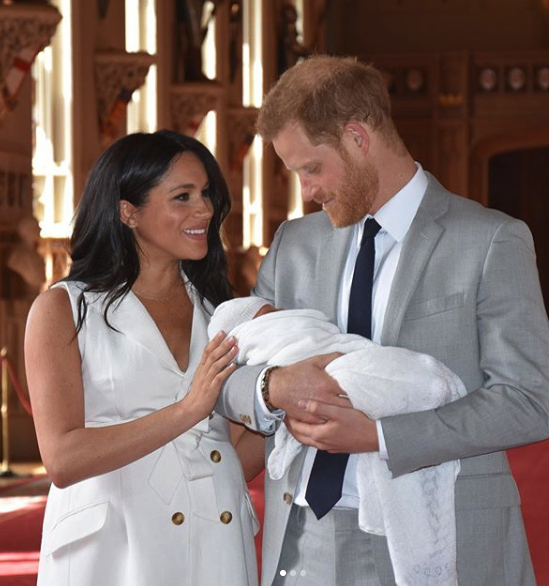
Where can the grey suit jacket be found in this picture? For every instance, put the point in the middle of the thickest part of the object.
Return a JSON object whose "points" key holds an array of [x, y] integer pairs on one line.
{"points": [[466, 291]]}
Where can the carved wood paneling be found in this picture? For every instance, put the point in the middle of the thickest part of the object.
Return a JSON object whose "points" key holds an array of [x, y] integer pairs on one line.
{"points": [[117, 76], [15, 195], [25, 30], [458, 108], [451, 157], [190, 102]]}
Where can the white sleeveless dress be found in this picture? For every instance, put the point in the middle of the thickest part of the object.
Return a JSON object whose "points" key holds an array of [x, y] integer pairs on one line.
{"points": [[182, 515]]}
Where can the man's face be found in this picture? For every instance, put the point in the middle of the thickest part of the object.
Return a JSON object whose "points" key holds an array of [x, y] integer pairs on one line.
{"points": [[345, 185]]}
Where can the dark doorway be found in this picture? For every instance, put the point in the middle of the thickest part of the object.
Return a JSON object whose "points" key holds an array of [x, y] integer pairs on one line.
{"points": [[519, 186]]}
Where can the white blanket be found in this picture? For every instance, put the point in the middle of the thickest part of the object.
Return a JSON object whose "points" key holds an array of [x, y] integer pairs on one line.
{"points": [[414, 511]]}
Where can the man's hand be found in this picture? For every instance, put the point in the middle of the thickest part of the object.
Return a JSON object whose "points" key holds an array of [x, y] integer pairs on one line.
{"points": [[340, 430], [305, 380]]}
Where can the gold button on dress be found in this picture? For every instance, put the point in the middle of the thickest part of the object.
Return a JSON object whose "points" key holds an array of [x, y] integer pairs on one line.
{"points": [[226, 517]]}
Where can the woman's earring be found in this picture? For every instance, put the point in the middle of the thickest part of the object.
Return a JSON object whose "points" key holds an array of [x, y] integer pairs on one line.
{"points": [[131, 225]]}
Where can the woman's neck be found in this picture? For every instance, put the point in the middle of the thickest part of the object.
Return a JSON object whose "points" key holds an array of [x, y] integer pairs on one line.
{"points": [[158, 282]]}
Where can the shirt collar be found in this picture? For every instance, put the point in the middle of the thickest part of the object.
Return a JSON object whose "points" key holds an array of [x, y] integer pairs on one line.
{"points": [[396, 215]]}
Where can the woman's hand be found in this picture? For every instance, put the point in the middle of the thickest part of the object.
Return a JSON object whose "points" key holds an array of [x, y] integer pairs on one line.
{"points": [[72, 452], [215, 367]]}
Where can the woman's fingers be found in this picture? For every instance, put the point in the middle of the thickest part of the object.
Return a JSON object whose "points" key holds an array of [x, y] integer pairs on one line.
{"points": [[218, 355], [216, 365], [223, 374], [219, 347]]}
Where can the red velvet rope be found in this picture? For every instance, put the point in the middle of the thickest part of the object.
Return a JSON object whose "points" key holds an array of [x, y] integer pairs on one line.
{"points": [[21, 395]]}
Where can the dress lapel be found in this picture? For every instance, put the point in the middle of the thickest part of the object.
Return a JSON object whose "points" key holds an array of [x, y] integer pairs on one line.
{"points": [[130, 317], [199, 335]]}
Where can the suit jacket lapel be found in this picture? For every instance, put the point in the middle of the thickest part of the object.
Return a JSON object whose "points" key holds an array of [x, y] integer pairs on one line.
{"points": [[333, 253], [418, 246]]}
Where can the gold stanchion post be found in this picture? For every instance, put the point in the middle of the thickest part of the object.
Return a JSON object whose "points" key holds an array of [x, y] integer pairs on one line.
{"points": [[5, 467]]}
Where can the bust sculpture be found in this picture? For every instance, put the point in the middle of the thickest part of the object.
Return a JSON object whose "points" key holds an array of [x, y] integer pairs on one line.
{"points": [[24, 258]]}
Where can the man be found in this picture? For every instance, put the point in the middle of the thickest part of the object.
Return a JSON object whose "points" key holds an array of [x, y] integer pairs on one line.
{"points": [[451, 279]]}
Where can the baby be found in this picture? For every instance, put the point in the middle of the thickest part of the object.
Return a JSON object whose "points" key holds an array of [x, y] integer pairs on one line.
{"points": [[414, 511]]}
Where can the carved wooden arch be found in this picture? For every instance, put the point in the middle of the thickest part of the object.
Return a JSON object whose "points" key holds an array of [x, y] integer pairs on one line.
{"points": [[495, 145]]}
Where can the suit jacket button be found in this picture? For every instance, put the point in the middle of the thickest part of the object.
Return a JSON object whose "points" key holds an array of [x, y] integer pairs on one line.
{"points": [[178, 518], [215, 456], [226, 517], [287, 498]]}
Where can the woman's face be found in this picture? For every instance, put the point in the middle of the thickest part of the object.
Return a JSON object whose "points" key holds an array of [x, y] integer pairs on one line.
{"points": [[173, 223]]}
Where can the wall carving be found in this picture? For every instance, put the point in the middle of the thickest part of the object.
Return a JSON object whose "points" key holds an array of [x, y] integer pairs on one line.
{"points": [[446, 104], [25, 30], [15, 195], [189, 104], [509, 77], [193, 17], [25, 260], [117, 76], [440, 5], [241, 132], [407, 81]]}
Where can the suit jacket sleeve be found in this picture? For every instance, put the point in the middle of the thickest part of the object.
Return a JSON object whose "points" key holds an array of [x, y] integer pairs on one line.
{"points": [[511, 407], [237, 398]]}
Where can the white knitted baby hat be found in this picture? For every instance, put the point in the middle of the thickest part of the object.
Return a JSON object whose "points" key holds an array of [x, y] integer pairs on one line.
{"points": [[232, 313]]}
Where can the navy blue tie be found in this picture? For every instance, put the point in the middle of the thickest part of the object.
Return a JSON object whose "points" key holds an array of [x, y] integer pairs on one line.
{"points": [[326, 481]]}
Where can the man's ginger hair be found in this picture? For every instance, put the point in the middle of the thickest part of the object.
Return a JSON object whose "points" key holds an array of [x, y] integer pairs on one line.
{"points": [[322, 94]]}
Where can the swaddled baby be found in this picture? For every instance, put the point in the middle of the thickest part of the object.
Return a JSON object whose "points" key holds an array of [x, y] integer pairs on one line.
{"points": [[414, 511]]}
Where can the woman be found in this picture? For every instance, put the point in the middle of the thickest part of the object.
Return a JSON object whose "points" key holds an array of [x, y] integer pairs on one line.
{"points": [[147, 488]]}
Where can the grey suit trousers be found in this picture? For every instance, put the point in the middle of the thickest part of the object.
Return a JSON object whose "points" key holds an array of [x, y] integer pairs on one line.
{"points": [[332, 551]]}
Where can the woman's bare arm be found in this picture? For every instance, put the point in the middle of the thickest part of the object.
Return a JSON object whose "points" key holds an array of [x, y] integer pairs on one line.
{"points": [[72, 452], [250, 447]]}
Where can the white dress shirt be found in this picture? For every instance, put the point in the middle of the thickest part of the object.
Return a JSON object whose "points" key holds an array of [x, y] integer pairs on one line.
{"points": [[395, 218]]}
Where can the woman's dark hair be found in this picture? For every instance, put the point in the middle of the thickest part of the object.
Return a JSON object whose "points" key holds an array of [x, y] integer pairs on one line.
{"points": [[104, 251]]}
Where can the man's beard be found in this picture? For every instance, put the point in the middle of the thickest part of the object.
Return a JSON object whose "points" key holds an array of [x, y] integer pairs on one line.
{"points": [[356, 196]]}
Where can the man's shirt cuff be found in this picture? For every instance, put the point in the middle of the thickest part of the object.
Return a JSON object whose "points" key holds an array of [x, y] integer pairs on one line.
{"points": [[266, 420], [381, 440]]}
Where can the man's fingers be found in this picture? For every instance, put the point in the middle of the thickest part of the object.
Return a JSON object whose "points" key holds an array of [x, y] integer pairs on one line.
{"points": [[324, 411], [307, 433], [343, 430], [299, 429], [325, 359], [305, 417]]}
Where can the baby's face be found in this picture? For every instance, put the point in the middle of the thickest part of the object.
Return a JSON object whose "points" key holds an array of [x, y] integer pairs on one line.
{"points": [[264, 310]]}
